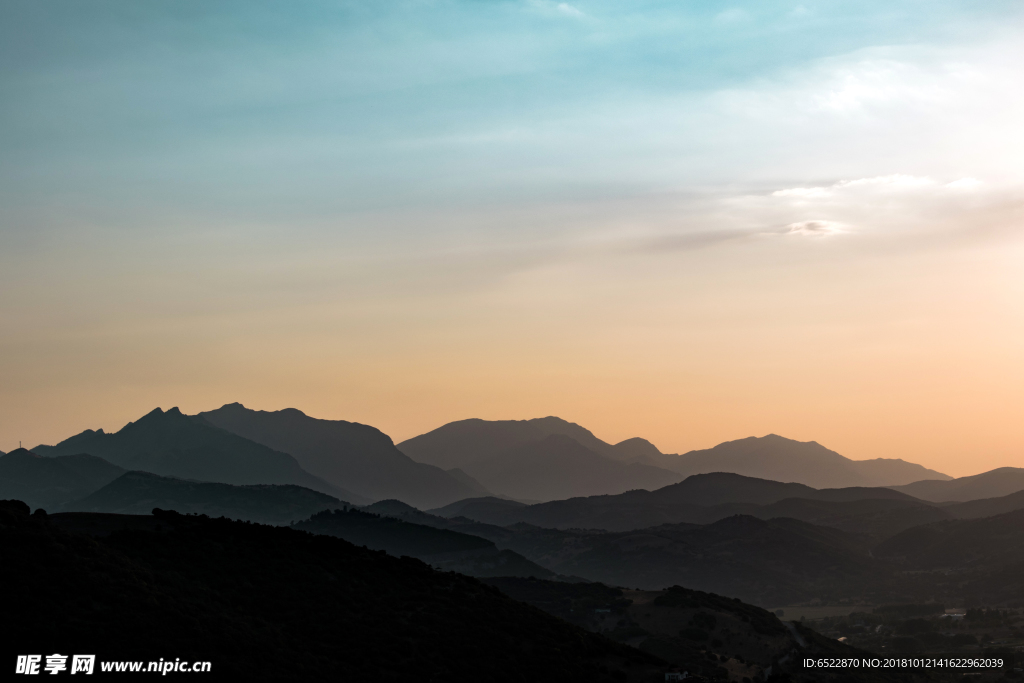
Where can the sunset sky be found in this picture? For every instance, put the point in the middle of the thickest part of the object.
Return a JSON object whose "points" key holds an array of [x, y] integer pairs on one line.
{"points": [[687, 221]]}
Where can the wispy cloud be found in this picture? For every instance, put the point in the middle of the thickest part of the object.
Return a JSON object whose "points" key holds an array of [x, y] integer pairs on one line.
{"points": [[551, 8], [815, 228]]}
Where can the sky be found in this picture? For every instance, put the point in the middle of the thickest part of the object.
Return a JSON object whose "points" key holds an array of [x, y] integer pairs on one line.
{"points": [[687, 221]]}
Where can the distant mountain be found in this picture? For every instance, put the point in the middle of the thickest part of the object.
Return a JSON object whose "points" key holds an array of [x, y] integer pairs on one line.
{"points": [[50, 482], [468, 442], [775, 457], [176, 445], [442, 548], [354, 456], [461, 443], [137, 493], [545, 459], [277, 604], [700, 499], [993, 484]]}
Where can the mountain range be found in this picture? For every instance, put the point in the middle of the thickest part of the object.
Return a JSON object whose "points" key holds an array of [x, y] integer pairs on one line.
{"points": [[543, 459], [529, 459], [176, 445], [352, 456], [700, 499]]}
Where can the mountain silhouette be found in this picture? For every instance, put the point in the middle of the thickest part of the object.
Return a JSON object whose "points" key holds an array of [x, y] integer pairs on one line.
{"points": [[137, 493], [543, 459], [699, 499], [992, 484], [466, 443], [357, 457], [50, 482], [461, 443], [176, 445], [781, 459]]}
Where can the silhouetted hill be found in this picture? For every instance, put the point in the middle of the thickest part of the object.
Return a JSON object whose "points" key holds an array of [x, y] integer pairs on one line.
{"points": [[50, 482], [137, 493], [986, 507], [441, 548], [699, 499], [959, 543], [993, 484], [176, 445], [271, 604], [477, 508], [779, 561], [354, 456], [707, 635], [775, 457]]}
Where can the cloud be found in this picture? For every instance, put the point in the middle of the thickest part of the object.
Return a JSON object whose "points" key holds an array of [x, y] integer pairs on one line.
{"points": [[557, 8], [894, 183], [815, 228]]}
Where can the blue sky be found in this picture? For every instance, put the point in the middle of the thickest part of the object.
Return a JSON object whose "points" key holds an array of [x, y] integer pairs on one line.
{"points": [[328, 203]]}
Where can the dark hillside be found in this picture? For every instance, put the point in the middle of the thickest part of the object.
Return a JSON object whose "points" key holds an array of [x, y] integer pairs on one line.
{"points": [[137, 493], [270, 604]]}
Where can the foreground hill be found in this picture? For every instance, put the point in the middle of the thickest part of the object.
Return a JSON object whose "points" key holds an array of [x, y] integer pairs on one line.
{"points": [[176, 445], [137, 493], [271, 603], [349, 455], [995, 483], [702, 633], [699, 499], [544, 459], [51, 482]]}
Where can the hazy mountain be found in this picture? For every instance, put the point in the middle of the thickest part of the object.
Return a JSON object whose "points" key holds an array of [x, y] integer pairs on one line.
{"points": [[51, 482], [699, 499], [442, 548], [466, 443], [357, 457], [544, 459], [176, 445], [137, 493], [993, 484], [775, 457], [461, 443], [277, 604]]}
